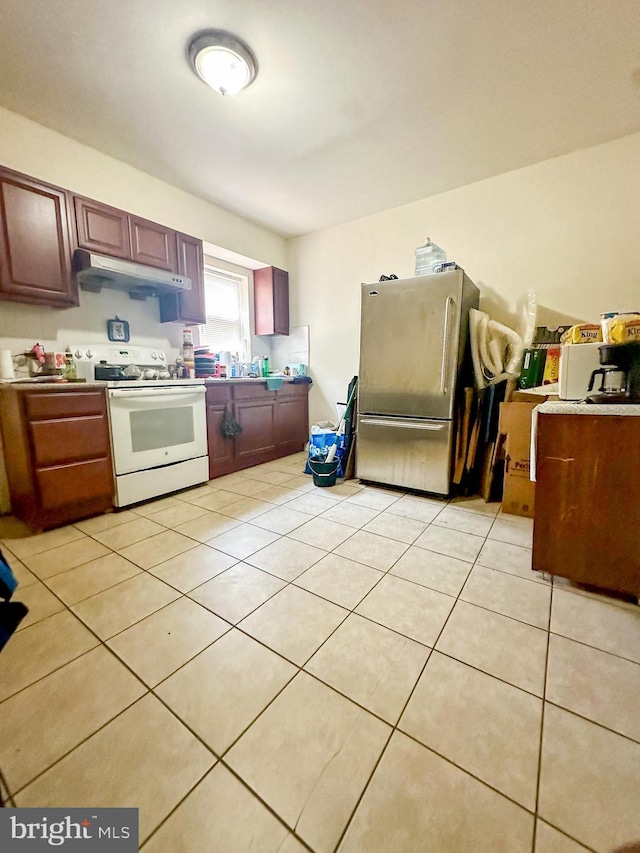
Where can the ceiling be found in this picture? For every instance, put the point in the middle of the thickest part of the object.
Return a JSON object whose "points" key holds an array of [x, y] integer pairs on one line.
{"points": [[357, 107]]}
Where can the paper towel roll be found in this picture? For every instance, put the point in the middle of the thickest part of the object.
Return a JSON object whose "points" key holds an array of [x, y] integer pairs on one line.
{"points": [[6, 365]]}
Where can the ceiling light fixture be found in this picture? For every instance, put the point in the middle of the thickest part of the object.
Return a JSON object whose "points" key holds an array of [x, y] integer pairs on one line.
{"points": [[223, 61]]}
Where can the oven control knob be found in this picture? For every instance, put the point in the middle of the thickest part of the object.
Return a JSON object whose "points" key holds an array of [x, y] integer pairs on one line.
{"points": [[162, 356], [89, 354], [154, 355], [78, 353]]}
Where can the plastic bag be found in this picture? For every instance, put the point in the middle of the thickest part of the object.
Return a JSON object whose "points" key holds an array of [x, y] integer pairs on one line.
{"points": [[528, 309]]}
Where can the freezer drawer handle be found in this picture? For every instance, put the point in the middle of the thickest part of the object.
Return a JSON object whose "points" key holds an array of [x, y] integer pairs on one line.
{"points": [[444, 370], [402, 424]]}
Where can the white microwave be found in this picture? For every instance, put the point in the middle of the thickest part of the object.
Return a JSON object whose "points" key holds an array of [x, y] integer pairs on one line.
{"points": [[577, 363]]}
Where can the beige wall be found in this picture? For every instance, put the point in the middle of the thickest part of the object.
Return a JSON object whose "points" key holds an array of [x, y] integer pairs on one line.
{"points": [[567, 229], [31, 148]]}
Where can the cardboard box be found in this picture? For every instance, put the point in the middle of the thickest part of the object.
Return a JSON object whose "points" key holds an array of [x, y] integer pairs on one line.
{"points": [[518, 497]]}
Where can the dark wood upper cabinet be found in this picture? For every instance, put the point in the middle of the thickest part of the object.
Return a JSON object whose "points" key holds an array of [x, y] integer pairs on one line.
{"points": [[152, 244], [35, 249], [102, 229], [187, 306], [271, 301], [41, 225]]}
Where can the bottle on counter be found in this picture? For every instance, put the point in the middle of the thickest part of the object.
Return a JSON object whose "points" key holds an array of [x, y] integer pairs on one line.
{"points": [[69, 370], [428, 256], [265, 366], [187, 354]]}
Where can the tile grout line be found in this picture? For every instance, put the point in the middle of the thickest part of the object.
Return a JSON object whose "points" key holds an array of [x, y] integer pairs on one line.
{"points": [[288, 583], [544, 694], [395, 727], [301, 668]]}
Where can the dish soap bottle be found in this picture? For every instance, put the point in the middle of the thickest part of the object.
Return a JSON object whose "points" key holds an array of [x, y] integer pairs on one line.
{"points": [[427, 256]]}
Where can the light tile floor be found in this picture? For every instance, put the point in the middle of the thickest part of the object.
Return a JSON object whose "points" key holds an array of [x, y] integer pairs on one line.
{"points": [[261, 665]]}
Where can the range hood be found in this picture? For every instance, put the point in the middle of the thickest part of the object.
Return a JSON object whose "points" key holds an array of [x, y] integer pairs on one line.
{"points": [[93, 272]]}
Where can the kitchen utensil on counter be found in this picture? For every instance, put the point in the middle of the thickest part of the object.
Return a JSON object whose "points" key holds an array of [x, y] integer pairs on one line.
{"points": [[50, 366], [132, 371], [620, 374], [104, 372], [577, 363]]}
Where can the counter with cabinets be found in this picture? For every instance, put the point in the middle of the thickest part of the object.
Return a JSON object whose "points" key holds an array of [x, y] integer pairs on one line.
{"points": [[57, 452], [274, 423], [588, 495]]}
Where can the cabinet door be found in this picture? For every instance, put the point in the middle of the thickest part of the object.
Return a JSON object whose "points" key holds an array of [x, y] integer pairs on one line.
{"points": [[35, 249], [257, 441], [587, 512], [292, 424], [221, 448], [271, 301], [152, 244], [102, 229], [280, 302], [187, 306]]}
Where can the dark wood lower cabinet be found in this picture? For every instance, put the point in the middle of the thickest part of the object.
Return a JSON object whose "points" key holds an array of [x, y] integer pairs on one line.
{"points": [[292, 423], [274, 424], [57, 453], [221, 448], [257, 441], [587, 513]]}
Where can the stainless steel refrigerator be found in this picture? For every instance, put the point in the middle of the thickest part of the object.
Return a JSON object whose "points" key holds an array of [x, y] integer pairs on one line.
{"points": [[413, 345]]}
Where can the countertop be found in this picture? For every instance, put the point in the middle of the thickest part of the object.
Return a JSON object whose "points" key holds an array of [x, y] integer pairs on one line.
{"points": [[77, 386], [246, 379], [50, 386], [564, 408]]}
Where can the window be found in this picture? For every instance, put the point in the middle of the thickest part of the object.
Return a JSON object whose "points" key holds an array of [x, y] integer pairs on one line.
{"points": [[225, 326]]}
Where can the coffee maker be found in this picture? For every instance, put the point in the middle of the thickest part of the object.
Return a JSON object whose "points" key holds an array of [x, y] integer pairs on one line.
{"points": [[620, 374]]}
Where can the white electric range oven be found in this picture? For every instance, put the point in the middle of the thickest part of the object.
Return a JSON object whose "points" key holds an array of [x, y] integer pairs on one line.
{"points": [[158, 426]]}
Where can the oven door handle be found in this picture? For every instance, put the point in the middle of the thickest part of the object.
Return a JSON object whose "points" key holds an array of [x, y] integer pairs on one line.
{"points": [[133, 393]]}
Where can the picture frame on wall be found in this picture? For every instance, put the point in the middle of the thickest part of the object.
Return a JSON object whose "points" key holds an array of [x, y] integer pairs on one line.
{"points": [[118, 330]]}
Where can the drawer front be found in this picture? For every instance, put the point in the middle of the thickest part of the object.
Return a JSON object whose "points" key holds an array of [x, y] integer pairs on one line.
{"points": [[253, 391], [291, 389], [218, 395], [69, 440], [58, 404], [414, 454], [62, 485]]}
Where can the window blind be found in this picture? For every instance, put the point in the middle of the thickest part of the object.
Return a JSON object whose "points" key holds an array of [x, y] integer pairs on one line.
{"points": [[223, 305]]}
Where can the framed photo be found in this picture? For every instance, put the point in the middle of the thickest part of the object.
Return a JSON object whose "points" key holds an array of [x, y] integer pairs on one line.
{"points": [[118, 330]]}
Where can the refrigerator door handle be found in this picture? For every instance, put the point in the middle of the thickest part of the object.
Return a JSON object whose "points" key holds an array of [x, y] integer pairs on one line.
{"points": [[398, 422], [444, 369]]}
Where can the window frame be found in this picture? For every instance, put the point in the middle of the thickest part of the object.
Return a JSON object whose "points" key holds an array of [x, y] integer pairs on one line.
{"points": [[230, 271]]}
